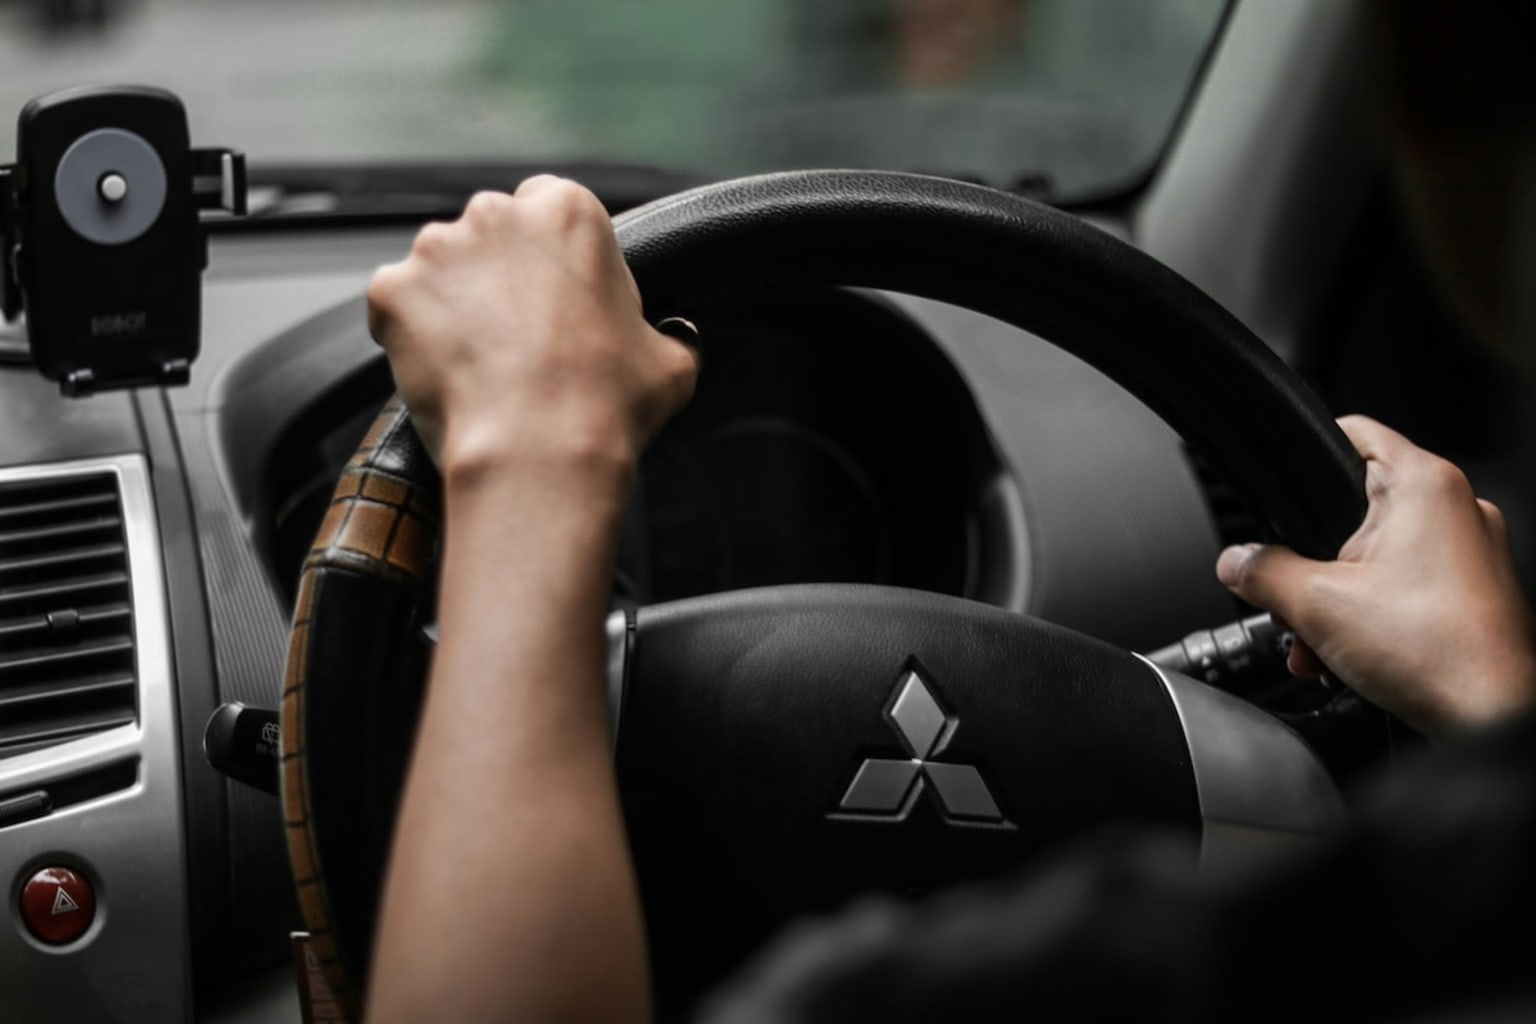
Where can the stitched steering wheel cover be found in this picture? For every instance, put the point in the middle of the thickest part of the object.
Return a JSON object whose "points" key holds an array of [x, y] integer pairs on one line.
{"points": [[368, 573], [373, 555]]}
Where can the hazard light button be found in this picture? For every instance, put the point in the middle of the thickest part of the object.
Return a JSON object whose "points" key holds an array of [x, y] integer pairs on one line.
{"points": [[57, 905]]}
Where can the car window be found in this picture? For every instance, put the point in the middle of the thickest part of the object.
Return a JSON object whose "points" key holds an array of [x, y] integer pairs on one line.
{"points": [[1069, 97]]}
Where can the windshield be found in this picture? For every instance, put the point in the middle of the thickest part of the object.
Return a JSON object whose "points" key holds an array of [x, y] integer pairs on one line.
{"points": [[1071, 98]]}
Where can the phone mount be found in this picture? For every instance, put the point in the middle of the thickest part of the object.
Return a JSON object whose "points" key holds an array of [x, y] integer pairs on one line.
{"points": [[101, 238]]}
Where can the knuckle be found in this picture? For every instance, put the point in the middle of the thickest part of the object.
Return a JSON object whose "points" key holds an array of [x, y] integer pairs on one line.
{"points": [[569, 203], [535, 182], [384, 291], [432, 240], [487, 205], [385, 286], [1445, 478]]}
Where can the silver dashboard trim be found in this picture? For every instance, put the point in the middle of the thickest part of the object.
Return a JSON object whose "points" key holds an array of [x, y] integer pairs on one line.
{"points": [[133, 963]]}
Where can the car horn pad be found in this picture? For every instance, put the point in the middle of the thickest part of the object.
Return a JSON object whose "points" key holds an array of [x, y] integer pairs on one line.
{"points": [[780, 750]]}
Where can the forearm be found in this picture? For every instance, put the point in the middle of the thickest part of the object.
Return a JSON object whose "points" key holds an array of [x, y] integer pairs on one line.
{"points": [[516, 336], [510, 893]]}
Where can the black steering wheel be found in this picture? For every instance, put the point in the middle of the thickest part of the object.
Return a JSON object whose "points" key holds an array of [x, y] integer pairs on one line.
{"points": [[780, 750]]}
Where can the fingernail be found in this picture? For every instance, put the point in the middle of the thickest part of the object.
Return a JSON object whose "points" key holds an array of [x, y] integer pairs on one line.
{"points": [[681, 328], [1230, 565]]}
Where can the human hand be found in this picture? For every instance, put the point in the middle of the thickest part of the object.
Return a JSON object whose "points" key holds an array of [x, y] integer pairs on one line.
{"points": [[1421, 613], [515, 333]]}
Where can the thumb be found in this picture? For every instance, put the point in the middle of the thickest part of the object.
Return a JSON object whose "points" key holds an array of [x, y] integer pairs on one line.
{"points": [[1271, 577]]}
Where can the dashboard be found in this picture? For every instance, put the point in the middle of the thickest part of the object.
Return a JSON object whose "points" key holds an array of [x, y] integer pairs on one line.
{"points": [[835, 436]]}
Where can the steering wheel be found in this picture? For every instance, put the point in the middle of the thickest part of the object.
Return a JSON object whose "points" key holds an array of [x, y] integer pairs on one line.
{"points": [[782, 749]]}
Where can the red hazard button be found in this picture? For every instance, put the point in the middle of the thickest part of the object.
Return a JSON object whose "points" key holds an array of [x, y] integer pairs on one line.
{"points": [[57, 905]]}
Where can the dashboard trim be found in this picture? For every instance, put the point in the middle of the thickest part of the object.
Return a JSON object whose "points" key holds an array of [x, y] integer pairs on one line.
{"points": [[132, 962]]}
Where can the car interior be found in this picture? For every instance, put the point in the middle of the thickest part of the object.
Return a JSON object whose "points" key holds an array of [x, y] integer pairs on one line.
{"points": [[908, 389]]}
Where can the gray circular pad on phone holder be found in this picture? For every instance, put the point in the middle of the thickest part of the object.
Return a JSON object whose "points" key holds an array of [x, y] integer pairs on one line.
{"points": [[76, 186]]}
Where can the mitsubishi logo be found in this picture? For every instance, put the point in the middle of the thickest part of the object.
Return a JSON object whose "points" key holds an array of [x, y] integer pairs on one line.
{"points": [[887, 789]]}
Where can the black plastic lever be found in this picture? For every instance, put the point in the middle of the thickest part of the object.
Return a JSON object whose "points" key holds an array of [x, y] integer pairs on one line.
{"points": [[245, 743], [1227, 653]]}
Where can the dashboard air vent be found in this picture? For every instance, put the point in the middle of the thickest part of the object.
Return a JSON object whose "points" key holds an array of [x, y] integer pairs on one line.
{"points": [[66, 616]]}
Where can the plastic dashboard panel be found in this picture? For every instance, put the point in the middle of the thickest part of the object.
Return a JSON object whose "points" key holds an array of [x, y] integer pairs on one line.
{"points": [[133, 960]]}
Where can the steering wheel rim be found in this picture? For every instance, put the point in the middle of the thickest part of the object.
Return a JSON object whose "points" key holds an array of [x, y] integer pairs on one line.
{"points": [[349, 709]]}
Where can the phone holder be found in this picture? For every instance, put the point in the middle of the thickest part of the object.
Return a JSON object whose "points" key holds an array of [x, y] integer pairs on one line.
{"points": [[101, 238]]}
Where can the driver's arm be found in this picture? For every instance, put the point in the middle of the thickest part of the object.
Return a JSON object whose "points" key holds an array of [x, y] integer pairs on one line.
{"points": [[516, 338], [1421, 613]]}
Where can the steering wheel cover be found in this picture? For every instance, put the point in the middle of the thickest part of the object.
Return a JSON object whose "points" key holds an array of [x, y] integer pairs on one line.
{"points": [[1035, 267], [367, 573]]}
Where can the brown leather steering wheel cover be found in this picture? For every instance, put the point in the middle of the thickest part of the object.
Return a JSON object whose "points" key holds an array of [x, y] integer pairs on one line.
{"points": [[1097, 297], [381, 529]]}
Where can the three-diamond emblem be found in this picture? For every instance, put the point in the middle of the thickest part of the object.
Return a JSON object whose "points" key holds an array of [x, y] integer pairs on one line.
{"points": [[887, 788]]}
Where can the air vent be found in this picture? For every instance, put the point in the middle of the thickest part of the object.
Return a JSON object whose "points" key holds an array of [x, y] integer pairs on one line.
{"points": [[66, 615]]}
